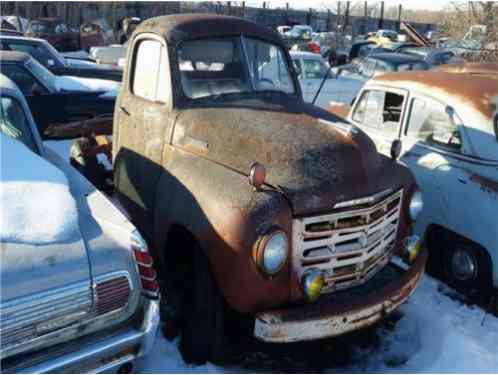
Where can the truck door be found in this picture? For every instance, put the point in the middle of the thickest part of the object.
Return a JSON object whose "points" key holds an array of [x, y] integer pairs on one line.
{"points": [[142, 117]]}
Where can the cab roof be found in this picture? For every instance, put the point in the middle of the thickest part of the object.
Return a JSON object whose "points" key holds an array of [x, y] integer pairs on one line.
{"points": [[479, 90], [179, 27], [14, 56]]}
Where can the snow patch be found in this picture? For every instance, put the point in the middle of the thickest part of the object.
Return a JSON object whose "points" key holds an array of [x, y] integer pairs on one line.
{"points": [[36, 204], [69, 83]]}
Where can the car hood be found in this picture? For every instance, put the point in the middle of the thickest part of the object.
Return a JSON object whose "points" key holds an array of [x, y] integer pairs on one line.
{"points": [[314, 157], [80, 84]]}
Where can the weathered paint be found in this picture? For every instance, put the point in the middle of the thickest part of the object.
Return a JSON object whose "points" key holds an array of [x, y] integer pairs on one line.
{"points": [[196, 173]]}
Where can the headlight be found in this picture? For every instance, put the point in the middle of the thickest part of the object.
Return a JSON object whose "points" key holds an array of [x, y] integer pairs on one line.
{"points": [[416, 205], [272, 252]]}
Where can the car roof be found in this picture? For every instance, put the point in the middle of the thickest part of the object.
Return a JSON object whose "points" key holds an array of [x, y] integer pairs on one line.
{"points": [[471, 68], [397, 58], [14, 56], [179, 27], [479, 90]]}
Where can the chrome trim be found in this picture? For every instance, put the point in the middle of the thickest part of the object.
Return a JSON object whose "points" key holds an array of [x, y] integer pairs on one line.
{"points": [[349, 247], [144, 337], [364, 200], [25, 322]]}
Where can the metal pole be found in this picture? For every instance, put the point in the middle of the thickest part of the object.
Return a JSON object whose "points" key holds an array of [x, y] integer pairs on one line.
{"points": [[243, 9], [229, 6], [346, 20], [381, 19], [338, 21], [365, 18], [400, 10]]}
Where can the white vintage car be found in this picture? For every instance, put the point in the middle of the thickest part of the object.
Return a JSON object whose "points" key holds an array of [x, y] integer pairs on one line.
{"points": [[336, 89], [448, 127]]}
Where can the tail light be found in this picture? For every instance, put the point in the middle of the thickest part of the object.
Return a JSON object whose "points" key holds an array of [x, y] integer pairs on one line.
{"points": [[145, 265]]}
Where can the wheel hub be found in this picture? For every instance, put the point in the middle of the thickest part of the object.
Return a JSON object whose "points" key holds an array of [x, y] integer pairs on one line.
{"points": [[463, 265]]}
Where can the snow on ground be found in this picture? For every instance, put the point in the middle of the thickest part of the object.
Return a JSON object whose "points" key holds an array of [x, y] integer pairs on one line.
{"points": [[70, 83], [36, 204], [435, 334]]}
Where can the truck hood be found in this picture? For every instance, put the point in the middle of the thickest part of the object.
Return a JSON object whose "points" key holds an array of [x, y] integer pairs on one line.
{"points": [[314, 157]]}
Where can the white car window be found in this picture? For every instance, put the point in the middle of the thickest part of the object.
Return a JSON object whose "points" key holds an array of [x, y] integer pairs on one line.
{"points": [[13, 122]]}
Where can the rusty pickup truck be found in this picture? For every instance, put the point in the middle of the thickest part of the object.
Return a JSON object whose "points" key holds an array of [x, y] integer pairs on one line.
{"points": [[260, 208]]}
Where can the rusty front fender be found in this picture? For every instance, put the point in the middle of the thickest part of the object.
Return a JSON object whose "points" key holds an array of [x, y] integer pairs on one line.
{"points": [[226, 216]]}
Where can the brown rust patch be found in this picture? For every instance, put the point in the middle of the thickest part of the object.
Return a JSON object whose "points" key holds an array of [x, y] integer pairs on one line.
{"points": [[471, 68], [479, 90], [485, 183], [341, 110]]}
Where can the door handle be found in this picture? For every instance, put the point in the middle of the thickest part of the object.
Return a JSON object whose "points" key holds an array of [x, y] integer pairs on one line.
{"points": [[123, 109], [462, 180]]}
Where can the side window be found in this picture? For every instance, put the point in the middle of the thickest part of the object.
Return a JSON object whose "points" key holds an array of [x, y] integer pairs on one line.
{"points": [[13, 122], [150, 71], [314, 69], [359, 111], [435, 123], [495, 124], [381, 110], [23, 79]]}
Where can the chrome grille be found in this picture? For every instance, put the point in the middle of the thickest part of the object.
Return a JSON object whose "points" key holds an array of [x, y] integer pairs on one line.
{"points": [[30, 319], [349, 247]]}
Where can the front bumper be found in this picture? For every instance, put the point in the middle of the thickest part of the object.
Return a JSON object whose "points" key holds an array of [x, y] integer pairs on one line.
{"points": [[341, 312], [94, 355]]}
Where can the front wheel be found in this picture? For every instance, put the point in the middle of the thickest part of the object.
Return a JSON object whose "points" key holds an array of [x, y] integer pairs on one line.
{"points": [[203, 329]]}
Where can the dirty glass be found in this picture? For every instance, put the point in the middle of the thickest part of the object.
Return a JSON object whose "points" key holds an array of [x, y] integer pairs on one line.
{"points": [[434, 122], [45, 76], [212, 67], [14, 123], [38, 52], [314, 69]]}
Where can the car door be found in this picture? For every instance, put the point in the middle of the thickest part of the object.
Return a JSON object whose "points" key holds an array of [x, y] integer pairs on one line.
{"points": [[379, 112], [143, 113]]}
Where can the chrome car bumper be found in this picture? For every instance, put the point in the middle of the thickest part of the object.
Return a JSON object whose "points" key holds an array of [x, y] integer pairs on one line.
{"points": [[105, 355]]}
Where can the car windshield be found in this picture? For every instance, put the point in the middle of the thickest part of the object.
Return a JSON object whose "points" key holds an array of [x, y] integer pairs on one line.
{"points": [[42, 74], [212, 67], [314, 68]]}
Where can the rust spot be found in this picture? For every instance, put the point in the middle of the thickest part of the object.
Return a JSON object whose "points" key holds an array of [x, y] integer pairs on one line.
{"points": [[472, 88]]}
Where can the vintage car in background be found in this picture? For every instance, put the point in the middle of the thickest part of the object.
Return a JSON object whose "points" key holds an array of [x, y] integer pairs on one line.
{"points": [[91, 34], [77, 293], [379, 63], [269, 217], [56, 32], [57, 63], [432, 56], [57, 99], [109, 55], [337, 88], [448, 127]]}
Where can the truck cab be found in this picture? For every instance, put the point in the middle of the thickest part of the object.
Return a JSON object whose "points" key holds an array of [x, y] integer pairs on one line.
{"points": [[259, 207]]}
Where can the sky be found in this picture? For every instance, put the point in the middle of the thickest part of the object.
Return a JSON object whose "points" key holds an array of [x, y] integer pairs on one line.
{"points": [[317, 4]]}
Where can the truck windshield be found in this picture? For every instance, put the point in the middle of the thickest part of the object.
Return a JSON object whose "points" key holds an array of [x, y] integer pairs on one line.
{"points": [[211, 67]]}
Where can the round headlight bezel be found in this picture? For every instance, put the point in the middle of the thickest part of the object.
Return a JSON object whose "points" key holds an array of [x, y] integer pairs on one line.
{"points": [[262, 252], [416, 205]]}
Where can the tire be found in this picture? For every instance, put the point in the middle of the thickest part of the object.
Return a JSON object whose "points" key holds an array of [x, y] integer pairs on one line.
{"points": [[466, 267], [203, 326]]}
